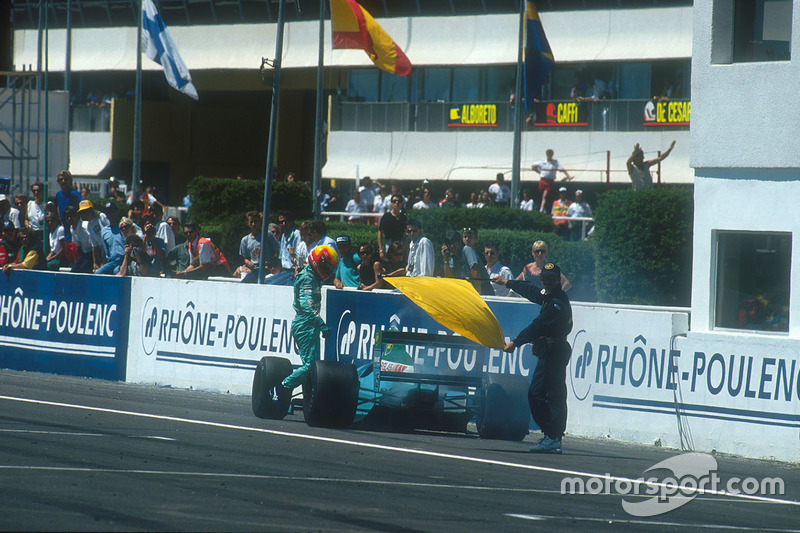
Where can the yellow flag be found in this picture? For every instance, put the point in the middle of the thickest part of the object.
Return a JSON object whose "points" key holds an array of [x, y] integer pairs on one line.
{"points": [[455, 304]]}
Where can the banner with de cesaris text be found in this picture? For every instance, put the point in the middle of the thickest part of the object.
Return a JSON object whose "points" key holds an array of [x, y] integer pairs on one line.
{"points": [[74, 324], [206, 335]]}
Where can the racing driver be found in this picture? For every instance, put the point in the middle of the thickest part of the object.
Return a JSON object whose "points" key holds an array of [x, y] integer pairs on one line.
{"points": [[307, 324]]}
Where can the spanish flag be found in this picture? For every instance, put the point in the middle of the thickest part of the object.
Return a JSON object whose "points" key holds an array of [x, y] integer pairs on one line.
{"points": [[538, 56], [455, 304], [353, 27]]}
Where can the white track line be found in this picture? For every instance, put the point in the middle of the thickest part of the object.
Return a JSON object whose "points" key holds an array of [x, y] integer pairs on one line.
{"points": [[649, 523], [383, 447]]}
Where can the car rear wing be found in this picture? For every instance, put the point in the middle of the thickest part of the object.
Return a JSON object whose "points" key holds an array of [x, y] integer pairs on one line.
{"points": [[427, 358]]}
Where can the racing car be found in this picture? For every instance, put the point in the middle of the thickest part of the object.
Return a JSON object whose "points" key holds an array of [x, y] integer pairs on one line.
{"points": [[415, 380]]}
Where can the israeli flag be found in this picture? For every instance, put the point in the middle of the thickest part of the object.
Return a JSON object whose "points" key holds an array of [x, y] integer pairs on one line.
{"points": [[159, 47]]}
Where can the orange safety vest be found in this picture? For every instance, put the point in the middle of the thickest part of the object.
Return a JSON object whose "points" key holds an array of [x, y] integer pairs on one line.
{"points": [[219, 259], [560, 210]]}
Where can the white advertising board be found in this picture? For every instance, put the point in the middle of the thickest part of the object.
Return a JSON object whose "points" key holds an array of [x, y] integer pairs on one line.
{"points": [[636, 376], [624, 373], [206, 335]]}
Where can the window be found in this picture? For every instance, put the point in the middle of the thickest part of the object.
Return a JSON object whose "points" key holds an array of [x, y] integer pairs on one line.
{"points": [[394, 88], [762, 30], [753, 273], [436, 85], [466, 84], [362, 85]]}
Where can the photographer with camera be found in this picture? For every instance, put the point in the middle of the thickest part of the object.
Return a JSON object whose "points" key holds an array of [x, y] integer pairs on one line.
{"points": [[154, 246], [136, 262]]}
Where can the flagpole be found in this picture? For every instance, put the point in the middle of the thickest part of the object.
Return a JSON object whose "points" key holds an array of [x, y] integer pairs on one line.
{"points": [[518, 96], [137, 111], [316, 190], [273, 126]]}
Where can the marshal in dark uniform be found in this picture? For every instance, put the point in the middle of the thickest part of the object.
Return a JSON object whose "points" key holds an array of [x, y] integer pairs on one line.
{"points": [[547, 333]]}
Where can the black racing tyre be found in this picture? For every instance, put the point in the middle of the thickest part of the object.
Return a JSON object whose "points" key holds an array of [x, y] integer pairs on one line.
{"points": [[503, 411], [270, 372], [330, 394]]}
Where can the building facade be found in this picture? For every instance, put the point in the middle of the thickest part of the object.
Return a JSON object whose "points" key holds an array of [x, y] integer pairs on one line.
{"points": [[449, 121]]}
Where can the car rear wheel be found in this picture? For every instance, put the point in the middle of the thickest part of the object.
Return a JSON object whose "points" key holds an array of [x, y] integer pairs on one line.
{"points": [[270, 398], [503, 411], [330, 394]]}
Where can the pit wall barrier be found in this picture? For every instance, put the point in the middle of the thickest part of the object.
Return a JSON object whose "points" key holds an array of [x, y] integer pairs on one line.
{"points": [[636, 373], [73, 324]]}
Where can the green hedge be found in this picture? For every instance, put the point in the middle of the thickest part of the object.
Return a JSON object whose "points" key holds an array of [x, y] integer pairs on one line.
{"points": [[644, 246], [220, 205]]}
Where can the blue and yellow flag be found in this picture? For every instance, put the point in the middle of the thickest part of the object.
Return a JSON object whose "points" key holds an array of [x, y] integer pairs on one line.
{"points": [[455, 304], [538, 56]]}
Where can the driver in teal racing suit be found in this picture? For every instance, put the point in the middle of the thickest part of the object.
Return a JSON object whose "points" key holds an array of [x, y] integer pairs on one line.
{"points": [[307, 324]]}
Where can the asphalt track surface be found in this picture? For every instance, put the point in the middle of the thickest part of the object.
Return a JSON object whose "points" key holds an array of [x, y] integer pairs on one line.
{"points": [[91, 455]]}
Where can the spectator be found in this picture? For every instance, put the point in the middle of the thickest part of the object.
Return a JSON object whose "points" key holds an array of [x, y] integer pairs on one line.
{"points": [[30, 255], [9, 213], [420, 251], [347, 270], [179, 260], [304, 245], [639, 169], [319, 234], [599, 90], [547, 170], [290, 239], [579, 89], [21, 205], [578, 208], [451, 255], [175, 225], [356, 205], [206, 259], [533, 271], [36, 207], [250, 247], [392, 227], [473, 264], [136, 213], [85, 192], [84, 259], [135, 262], [394, 265], [56, 259], [383, 200], [473, 201], [367, 191], [8, 246], [114, 239], [484, 200], [500, 191], [330, 200], [144, 194], [275, 230], [370, 271], [114, 193], [560, 208], [449, 199], [494, 268], [163, 230], [91, 224], [426, 202], [396, 191], [67, 196], [154, 247], [527, 201]]}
